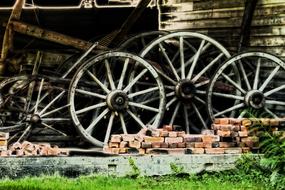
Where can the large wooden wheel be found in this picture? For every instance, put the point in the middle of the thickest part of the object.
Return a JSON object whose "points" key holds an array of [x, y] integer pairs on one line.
{"points": [[112, 102], [185, 61], [250, 84]]}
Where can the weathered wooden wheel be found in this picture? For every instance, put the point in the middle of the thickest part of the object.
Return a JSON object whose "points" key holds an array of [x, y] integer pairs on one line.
{"points": [[32, 103], [137, 42], [254, 89], [185, 61], [113, 102]]}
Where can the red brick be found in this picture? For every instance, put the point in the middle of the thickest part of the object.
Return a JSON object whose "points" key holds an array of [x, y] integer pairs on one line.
{"points": [[127, 137], [235, 121], [146, 145], [135, 144], [155, 144], [224, 121], [217, 121], [163, 133], [181, 145], [20, 152], [243, 128], [172, 134], [173, 139], [207, 132], [116, 139], [115, 150], [153, 139], [226, 144], [5, 153], [190, 144], [4, 136], [233, 150], [139, 137], [113, 145], [172, 145], [180, 133], [164, 145], [224, 133], [155, 132], [123, 144], [274, 122], [192, 138], [230, 127], [210, 138], [203, 145], [243, 133], [168, 127], [214, 150], [123, 150], [197, 150], [141, 151]]}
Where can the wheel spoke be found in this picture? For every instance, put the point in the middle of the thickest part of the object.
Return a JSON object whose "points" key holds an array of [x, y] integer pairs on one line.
{"points": [[186, 117], [55, 119], [85, 92], [230, 109], [175, 112], [50, 127], [233, 83], [109, 74], [142, 92], [137, 119], [235, 97], [98, 82], [25, 133], [181, 50], [200, 92], [202, 83], [91, 108], [275, 102], [170, 94], [199, 115], [49, 104], [55, 110], [122, 77], [144, 107], [130, 85], [207, 67], [244, 75], [109, 128], [123, 124], [150, 100], [256, 77], [39, 95], [197, 54], [270, 112], [266, 82], [274, 90], [170, 102], [42, 98], [90, 128], [166, 77]]}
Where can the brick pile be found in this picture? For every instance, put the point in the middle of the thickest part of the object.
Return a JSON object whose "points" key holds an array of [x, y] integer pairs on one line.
{"points": [[30, 149], [227, 136]]}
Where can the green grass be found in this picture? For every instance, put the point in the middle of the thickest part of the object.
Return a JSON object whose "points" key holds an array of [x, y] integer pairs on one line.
{"points": [[214, 181]]}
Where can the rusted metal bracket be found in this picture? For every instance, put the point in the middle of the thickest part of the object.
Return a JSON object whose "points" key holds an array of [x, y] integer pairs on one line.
{"points": [[52, 36]]}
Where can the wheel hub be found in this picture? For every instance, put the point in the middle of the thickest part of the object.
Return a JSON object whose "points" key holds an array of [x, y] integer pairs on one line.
{"points": [[117, 100], [35, 119], [185, 89], [255, 99]]}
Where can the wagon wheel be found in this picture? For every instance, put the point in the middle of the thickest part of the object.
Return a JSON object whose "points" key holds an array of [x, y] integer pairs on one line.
{"points": [[185, 61], [136, 43], [260, 92], [114, 104], [32, 103]]}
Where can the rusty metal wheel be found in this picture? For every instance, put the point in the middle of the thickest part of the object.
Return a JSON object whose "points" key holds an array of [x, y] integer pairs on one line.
{"points": [[185, 61], [32, 103], [254, 89], [113, 102]]}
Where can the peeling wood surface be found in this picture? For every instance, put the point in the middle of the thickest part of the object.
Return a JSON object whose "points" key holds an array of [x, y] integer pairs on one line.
{"points": [[221, 19]]}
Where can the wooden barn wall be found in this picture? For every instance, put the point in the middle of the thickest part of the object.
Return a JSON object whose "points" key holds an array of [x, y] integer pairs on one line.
{"points": [[221, 19]]}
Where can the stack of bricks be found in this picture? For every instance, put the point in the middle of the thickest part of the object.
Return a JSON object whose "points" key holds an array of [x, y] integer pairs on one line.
{"points": [[227, 136], [3, 141], [30, 149]]}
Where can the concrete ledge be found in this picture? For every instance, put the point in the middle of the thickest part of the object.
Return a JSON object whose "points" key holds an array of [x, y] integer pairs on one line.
{"points": [[147, 165]]}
